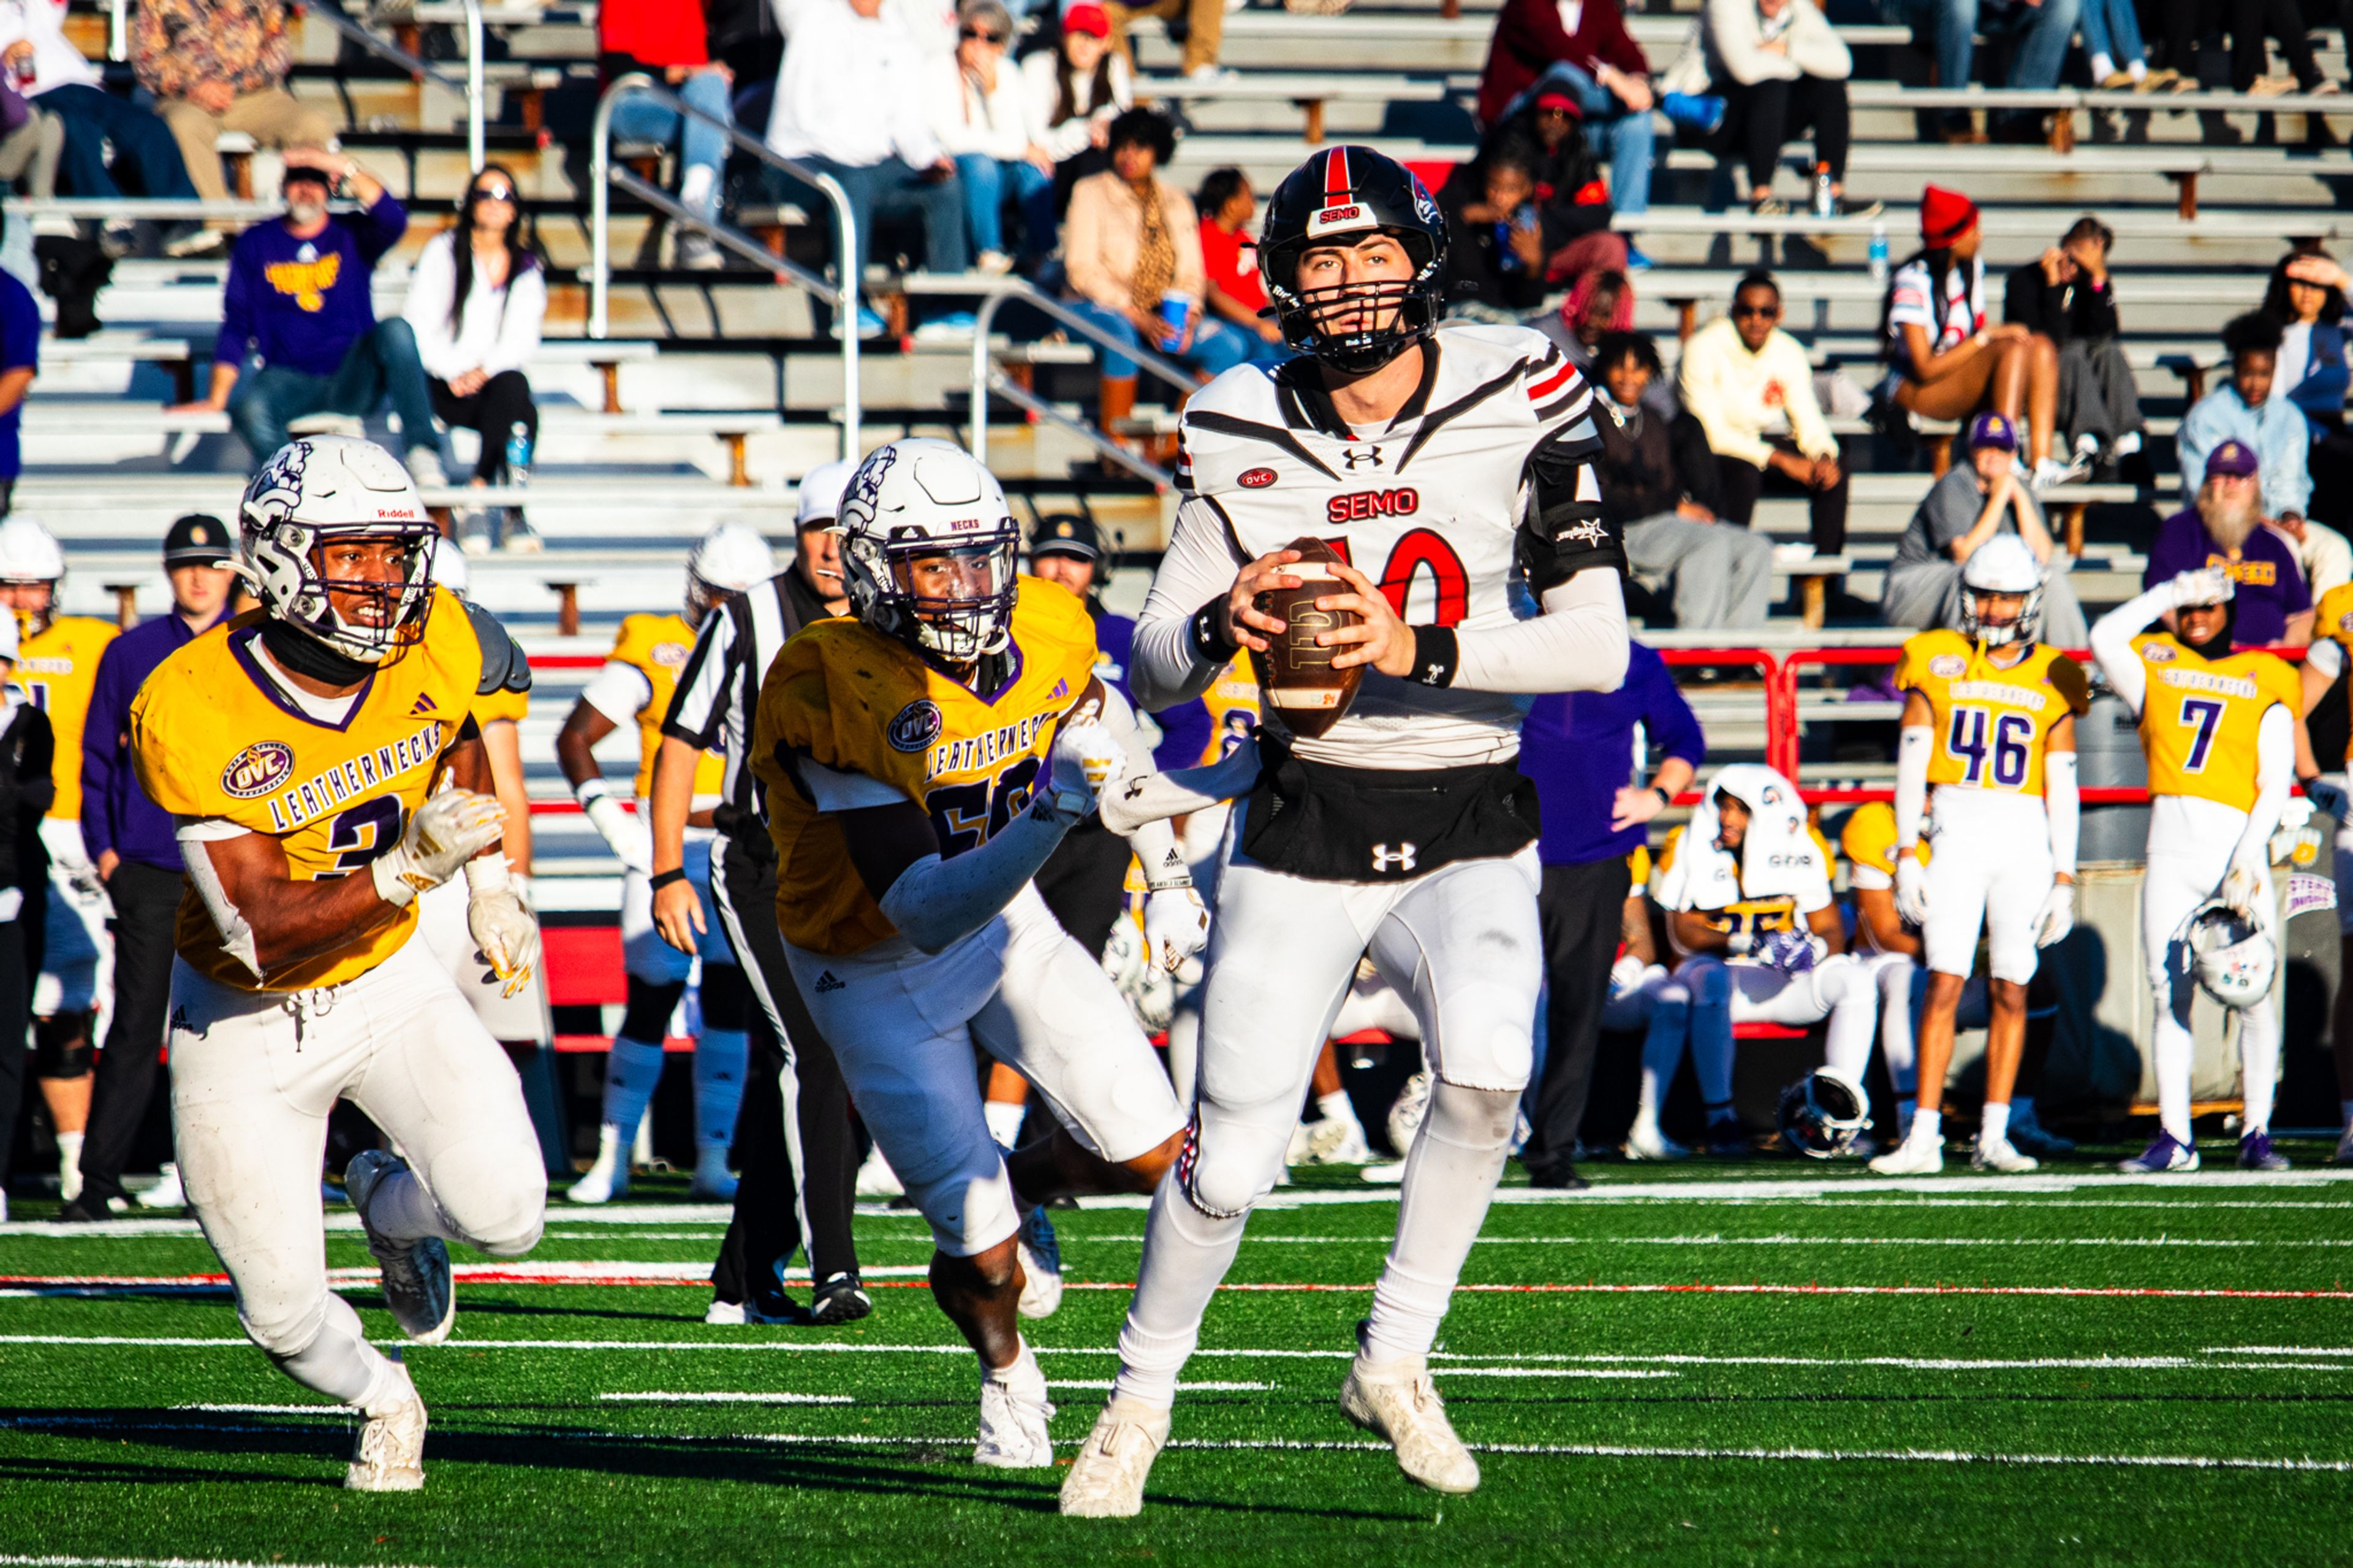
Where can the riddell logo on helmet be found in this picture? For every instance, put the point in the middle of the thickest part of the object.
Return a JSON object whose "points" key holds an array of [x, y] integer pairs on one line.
{"points": [[1357, 506]]}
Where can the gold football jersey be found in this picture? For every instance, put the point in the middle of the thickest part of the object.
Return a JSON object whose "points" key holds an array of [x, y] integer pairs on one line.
{"points": [[1992, 723], [1233, 704], [212, 737], [1754, 916], [853, 700], [657, 646], [2200, 720], [56, 671]]}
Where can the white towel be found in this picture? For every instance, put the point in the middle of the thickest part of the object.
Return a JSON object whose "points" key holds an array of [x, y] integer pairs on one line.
{"points": [[1778, 857]]}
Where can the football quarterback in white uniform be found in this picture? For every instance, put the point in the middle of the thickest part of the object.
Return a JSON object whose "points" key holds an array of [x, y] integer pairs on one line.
{"points": [[1428, 459]]}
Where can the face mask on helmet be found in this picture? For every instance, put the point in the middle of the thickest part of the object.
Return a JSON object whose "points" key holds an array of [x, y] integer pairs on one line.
{"points": [[956, 600], [1823, 1113], [1353, 255], [338, 548], [2218, 644], [34, 600], [928, 550], [2012, 627]]}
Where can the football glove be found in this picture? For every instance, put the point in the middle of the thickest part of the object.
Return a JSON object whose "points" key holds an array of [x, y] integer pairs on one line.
{"points": [[2207, 585], [447, 830], [1911, 889], [2243, 891], [1176, 925], [2058, 916], [507, 934], [1088, 760], [1791, 952], [628, 836]]}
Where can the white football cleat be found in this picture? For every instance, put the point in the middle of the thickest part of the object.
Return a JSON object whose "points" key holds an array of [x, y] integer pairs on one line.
{"points": [[876, 1179], [1914, 1157], [608, 1178], [1013, 1432], [1041, 1251], [2001, 1154], [167, 1193], [1400, 1402], [1645, 1141], [390, 1454], [1106, 1480], [712, 1179], [1332, 1142], [416, 1284]]}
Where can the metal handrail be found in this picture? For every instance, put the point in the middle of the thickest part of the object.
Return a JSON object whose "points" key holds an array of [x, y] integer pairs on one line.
{"points": [[984, 379], [472, 87], [602, 176], [1111, 450]]}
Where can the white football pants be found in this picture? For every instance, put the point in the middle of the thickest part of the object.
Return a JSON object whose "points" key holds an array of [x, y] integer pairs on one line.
{"points": [[1708, 996], [1988, 869], [2189, 855]]}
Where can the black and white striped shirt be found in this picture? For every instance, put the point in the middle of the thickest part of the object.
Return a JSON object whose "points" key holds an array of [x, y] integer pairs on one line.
{"points": [[719, 689]]}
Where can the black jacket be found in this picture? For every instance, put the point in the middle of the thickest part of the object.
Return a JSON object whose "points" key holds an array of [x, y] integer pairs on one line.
{"points": [[28, 748], [2059, 311]]}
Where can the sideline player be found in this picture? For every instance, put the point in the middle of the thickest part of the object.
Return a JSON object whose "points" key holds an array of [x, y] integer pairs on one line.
{"points": [[2219, 728], [73, 955], [1736, 883], [1431, 456], [1989, 723], [634, 686], [921, 760], [2323, 667], [303, 748]]}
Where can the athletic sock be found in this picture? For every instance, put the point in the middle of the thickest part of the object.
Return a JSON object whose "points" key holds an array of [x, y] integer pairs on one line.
{"points": [[70, 1165], [721, 1059], [631, 1073], [698, 187], [2137, 70], [1449, 1179], [2259, 1055], [2174, 1052], [1993, 1124], [1927, 1127], [1022, 1374], [340, 1363], [2103, 67], [1005, 1118], [1337, 1106], [1186, 1256]]}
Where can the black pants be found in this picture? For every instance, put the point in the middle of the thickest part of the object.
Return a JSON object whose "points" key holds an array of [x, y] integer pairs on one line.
{"points": [[775, 1212], [497, 405], [16, 1017], [1582, 908], [146, 904], [1739, 482], [1084, 883], [1765, 116]]}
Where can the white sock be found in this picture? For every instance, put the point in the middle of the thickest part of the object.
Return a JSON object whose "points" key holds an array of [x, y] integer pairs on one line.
{"points": [[1337, 1106], [340, 1363], [2259, 1054], [2127, 444], [1449, 1179], [721, 1059], [1853, 995], [1005, 1118], [70, 1165], [2174, 1051], [2103, 67], [1186, 1256], [1993, 1125], [1022, 1374], [2087, 445], [1927, 1127], [698, 189], [2137, 70], [631, 1073]]}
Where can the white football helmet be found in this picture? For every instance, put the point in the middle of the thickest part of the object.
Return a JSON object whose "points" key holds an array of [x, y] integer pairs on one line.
{"points": [[449, 568], [316, 489], [30, 557], [730, 558], [929, 549], [2233, 959], [1823, 1113], [2002, 565]]}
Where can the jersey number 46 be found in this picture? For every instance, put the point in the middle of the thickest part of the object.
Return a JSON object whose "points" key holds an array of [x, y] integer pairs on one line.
{"points": [[1994, 749]]}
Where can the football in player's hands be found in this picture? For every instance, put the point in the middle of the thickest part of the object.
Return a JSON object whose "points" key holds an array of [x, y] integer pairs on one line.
{"points": [[1302, 687], [1176, 925]]}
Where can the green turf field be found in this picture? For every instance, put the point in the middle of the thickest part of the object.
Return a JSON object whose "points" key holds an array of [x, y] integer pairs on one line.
{"points": [[2055, 1369]]}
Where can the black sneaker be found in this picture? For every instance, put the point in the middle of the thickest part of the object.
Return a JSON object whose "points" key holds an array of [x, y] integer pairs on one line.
{"points": [[1560, 1178], [90, 1208], [840, 1300]]}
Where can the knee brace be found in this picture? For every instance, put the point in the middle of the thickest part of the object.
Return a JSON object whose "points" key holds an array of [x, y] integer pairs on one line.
{"points": [[1225, 1167], [61, 1048], [651, 1003], [726, 998]]}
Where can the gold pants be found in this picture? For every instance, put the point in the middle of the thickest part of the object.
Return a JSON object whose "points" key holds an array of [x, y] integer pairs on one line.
{"points": [[1209, 25], [272, 117]]}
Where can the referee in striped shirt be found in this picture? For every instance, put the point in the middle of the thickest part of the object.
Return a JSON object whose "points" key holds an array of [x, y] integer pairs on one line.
{"points": [[793, 1134]]}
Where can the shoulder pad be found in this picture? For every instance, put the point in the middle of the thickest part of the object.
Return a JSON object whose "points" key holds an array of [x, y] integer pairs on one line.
{"points": [[504, 668], [2068, 678]]}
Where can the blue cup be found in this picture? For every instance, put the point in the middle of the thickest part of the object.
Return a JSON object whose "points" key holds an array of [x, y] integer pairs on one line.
{"points": [[1175, 309]]}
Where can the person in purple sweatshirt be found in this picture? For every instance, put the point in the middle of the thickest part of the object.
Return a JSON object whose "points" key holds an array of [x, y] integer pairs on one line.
{"points": [[298, 305]]}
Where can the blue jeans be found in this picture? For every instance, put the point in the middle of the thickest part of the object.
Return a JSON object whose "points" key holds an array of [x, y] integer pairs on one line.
{"points": [[1216, 347], [1619, 136], [886, 188], [986, 182], [2034, 61], [384, 363], [2111, 28], [142, 143], [701, 146]]}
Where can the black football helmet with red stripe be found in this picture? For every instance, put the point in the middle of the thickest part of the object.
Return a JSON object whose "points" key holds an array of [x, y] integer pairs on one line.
{"points": [[1335, 197]]}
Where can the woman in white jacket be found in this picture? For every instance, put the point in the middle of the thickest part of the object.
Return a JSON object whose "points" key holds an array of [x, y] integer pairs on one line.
{"points": [[982, 116], [476, 301], [1781, 69], [1076, 90]]}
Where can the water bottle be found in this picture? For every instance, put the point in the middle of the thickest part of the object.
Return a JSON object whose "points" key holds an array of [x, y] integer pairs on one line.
{"points": [[1825, 199], [1879, 253], [519, 453]]}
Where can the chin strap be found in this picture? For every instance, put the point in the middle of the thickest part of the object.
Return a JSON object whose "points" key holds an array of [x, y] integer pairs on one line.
{"points": [[306, 655]]}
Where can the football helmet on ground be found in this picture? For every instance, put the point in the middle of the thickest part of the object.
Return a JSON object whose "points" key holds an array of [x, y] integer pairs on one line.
{"points": [[1823, 1113]]}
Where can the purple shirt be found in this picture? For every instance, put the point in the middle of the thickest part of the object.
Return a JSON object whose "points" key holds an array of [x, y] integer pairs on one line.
{"points": [[2271, 585], [1579, 750], [115, 812]]}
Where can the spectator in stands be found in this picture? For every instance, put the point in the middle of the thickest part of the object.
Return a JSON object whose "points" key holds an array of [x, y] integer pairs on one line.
{"points": [[980, 110], [1720, 575], [2111, 39], [2306, 295], [1133, 247], [1600, 303], [477, 300], [1977, 499], [32, 141], [20, 362], [1229, 260], [2243, 409], [1497, 245], [1076, 90], [1945, 361], [2224, 527], [2067, 299], [1578, 749], [668, 40], [2041, 29], [1571, 195], [852, 102], [43, 64], [2250, 60], [298, 302], [222, 65], [1782, 70], [1751, 387], [1205, 24], [2325, 554]]}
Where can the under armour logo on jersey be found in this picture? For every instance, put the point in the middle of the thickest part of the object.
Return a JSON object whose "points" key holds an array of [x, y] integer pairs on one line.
{"points": [[423, 706], [1361, 456], [1385, 860], [826, 981]]}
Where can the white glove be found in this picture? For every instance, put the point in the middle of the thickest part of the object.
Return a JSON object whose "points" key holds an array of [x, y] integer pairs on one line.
{"points": [[507, 935], [1911, 889], [447, 830], [2243, 891], [1088, 760], [1176, 925], [632, 840], [2058, 916], [2207, 585]]}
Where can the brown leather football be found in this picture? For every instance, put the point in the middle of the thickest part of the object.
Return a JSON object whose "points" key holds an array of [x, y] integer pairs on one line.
{"points": [[1301, 686]]}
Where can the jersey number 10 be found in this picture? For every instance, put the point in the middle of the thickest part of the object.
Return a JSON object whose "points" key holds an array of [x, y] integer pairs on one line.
{"points": [[2002, 759]]}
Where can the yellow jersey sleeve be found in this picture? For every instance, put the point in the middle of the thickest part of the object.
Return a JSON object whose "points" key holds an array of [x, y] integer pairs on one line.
{"points": [[2333, 616], [657, 647], [1868, 839], [57, 671], [2201, 720]]}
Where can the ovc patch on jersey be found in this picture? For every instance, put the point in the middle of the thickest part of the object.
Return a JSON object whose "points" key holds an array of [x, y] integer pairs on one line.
{"points": [[256, 770], [1946, 666], [915, 726]]}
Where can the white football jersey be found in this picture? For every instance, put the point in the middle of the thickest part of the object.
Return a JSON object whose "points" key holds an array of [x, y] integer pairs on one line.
{"points": [[1427, 507]]}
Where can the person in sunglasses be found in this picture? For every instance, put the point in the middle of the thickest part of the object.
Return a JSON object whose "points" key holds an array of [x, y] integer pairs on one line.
{"points": [[980, 111], [1751, 387]]}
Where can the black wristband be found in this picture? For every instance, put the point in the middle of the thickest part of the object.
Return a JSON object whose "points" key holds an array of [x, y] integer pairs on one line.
{"points": [[661, 879], [1436, 654], [1210, 643], [1665, 799]]}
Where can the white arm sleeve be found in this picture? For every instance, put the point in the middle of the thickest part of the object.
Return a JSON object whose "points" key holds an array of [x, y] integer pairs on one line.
{"points": [[938, 903], [2275, 776], [194, 833], [2064, 805], [1912, 783], [833, 790], [2112, 636], [1198, 566], [2327, 656], [619, 691], [1155, 842], [1578, 644]]}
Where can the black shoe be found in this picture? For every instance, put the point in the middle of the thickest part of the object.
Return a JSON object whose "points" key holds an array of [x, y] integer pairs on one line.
{"points": [[840, 1300], [1560, 1178], [775, 1307], [89, 1208]]}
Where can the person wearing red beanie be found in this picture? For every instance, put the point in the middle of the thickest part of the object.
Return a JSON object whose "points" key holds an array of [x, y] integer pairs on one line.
{"points": [[1945, 360]]}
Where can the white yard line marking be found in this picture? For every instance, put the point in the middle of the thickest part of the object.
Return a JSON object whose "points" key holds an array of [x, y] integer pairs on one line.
{"points": [[1071, 1242], [1628, 1373], [47, 1562], [727, 1399], [2281, 1350], [269, 1409], [1105, 1384]]}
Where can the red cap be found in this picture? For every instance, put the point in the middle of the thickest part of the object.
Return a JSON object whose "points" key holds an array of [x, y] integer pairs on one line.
{"points": [[1561, 101], [1087, 17], [1944, 216]]}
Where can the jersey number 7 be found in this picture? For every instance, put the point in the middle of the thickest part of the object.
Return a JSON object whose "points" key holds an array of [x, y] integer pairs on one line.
{"points": [[2204, 715], [2004, 756]]}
